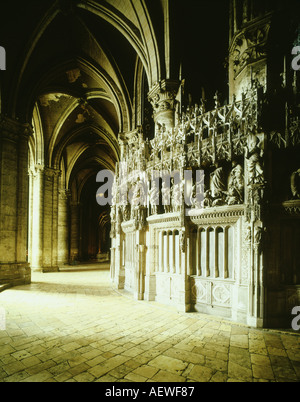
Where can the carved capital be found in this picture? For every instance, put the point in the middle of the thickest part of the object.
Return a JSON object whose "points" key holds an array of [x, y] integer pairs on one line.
{"points": [[13, 130], [36, 170], [64, 194], [292, 207], [51, 172], [162, 97]]}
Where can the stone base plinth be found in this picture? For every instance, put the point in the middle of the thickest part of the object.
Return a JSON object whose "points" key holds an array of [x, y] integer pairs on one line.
{"points": [[15, 273], [50, 269]]}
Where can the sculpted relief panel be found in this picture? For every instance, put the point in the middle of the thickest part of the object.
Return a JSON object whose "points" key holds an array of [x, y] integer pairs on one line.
{"points": [[200, 183]]}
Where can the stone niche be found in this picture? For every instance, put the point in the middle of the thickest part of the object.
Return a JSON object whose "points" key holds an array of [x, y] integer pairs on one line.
{"points": [[217, 270], [167, 257]]}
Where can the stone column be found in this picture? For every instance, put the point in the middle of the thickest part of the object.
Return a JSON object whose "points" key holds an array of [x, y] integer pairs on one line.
{"points": [[50, 220], [63, 227], [37, 207], [162, 97], [255, 187], [140, 265], [30, 212], [74, 230], [118, 241], [119, 270], [14, 267], [153, 243]]}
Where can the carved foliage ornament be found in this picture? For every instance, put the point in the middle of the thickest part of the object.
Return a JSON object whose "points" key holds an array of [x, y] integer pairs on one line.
{"points": [[249, 46]]}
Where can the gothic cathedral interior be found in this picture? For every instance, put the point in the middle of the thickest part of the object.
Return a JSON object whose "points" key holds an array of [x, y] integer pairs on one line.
{"points": [[194, 109]]}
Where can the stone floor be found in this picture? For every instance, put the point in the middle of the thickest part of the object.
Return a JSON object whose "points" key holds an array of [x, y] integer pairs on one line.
{"points": [[72, 326]]}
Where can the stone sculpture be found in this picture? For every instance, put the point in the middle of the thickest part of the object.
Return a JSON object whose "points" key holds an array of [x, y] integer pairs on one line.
{"points": [[253, 154], [235, 193], [295, 184], [154, 199], [218, 185]]}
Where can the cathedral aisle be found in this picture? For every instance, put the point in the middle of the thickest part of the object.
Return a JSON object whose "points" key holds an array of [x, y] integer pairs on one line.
{"points": [[73, 326]]}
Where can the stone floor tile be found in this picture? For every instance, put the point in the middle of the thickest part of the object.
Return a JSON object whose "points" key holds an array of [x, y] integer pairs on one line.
{"points": [[133, 364], [168, 364], [239, 330], [39, 377], [276, 351], [14, 367], [294, 355], [91, 354], [217, 364], [5, 350], [201, 373], [31, 361], [263, 371], [238, 372], [285, 374], [185, 356], [146, 371], [166, 376], [40, 367], [120, 371], [78, 369], [70, 327], [133, 352], [74, 361], [63, 377], [107, 378], [219, 377], [84, 377], [98, 371], [95, 361], [260, 360], [222, 356], [7, 359], [240, 341], [22, 354], [3, 374], [258, 346], [135, 377], [60, 368], [36, 349], [296, 367], [70, 346], [17, 377], [205, 351], [240, 356]]}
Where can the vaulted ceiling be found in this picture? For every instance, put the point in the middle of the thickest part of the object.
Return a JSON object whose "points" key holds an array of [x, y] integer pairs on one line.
{"points": [[78, 70]]}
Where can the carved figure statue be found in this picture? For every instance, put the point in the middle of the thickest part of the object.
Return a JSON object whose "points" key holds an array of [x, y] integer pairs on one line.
{"points": [[217, 100], [218, 186], [113, 221], [295, 184], [258, 235], [154, 199], [182, 240], [235, 193], [126, 212], [138, 198], [177, 196], [207, 201], [195, 199], [253, 155], [114, 192], [248, 235], [166, 197]]}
